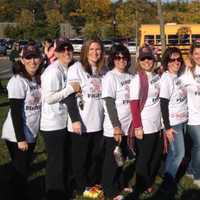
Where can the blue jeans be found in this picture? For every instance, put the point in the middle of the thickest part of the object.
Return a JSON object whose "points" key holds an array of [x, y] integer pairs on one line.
{"points": [[176, 150], [194, 166]]}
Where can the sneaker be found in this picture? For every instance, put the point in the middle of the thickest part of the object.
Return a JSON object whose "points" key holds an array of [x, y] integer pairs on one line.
{"points": [[93, 192], [119, 197], [128, 189], [197, 182]]}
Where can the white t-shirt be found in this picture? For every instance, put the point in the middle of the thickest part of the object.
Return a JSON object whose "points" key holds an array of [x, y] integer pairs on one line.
{"points": [[172, 88], [92, 112], [151, 113], [116, 85], [54, 90], [21, 88], [192, 85]]}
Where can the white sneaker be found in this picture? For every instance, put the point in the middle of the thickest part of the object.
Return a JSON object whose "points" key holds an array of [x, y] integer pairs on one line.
{"points": [[197, 182]]}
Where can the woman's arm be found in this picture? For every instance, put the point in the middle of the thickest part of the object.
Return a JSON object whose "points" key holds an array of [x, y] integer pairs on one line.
{"points": [[113, 115], [16, 107], [164, 104]]}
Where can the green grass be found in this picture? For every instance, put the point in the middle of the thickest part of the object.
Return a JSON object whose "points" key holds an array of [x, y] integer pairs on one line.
{"points": [[38, 170]]}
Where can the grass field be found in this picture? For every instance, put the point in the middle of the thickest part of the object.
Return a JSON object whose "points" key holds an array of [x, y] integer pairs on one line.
{"points": [[186, 190]]}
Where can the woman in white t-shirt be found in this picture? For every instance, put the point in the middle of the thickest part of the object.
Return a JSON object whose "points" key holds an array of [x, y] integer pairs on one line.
{"points": [[191, 79], [146, 115], [53, 124], [173, 100], [117, 120], [21, 126], [85, 146]]}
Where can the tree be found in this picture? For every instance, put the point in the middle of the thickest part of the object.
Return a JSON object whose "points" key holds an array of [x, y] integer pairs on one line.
{"points": [[162, 27], [25, 17]]}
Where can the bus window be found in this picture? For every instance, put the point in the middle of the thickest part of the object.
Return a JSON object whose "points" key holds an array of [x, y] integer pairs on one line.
{"points": [[184, 39], [195, 37], [172, 39], [158, 40], [149, 39]]}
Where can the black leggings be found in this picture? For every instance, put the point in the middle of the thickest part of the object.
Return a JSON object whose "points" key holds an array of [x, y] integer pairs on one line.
{"points": [[149, 152], [20, 161]]}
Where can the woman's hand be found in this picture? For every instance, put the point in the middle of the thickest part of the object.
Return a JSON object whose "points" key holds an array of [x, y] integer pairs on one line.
{"points": [[118, 134], [170, 134], [139, 133], [23, 145], [76, 86], [76, 126]]}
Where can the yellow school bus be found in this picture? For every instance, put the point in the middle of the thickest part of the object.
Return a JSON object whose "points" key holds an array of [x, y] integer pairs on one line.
{"points": [[180, 35]]}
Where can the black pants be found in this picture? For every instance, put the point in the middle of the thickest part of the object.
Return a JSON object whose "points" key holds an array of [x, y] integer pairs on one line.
{"points": [[21, 161], [86, 159], [112, 176], [149, 152], [56, 146]]}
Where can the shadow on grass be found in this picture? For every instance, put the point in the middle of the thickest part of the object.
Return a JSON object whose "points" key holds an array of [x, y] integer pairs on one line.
{"points": [[36, 184]]}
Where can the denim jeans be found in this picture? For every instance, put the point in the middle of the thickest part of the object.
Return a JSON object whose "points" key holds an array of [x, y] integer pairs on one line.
{"points": [[194, 166], [176, 150]]}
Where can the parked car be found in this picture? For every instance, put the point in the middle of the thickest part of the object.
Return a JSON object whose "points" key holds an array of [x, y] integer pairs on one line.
{"points": [[107, 45], [9, 43], [77, 44], [3, 48], [23, 43], [131, 47]]}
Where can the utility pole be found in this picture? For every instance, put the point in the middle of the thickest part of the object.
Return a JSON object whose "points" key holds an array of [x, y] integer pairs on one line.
{"points": [[162, 26]]}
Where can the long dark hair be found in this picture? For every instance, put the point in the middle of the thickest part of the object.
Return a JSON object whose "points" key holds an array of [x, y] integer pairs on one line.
{"points": [[117, 49], [166, 58], [84, 56]]}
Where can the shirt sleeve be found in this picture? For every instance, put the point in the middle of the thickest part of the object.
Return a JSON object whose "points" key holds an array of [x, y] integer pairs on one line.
{"points": [[112, 111], [52, 89], [72, 107], [109, 86], [166, 86], [73, 74], [164, 104], [134, 88], [16, 88], [16, 107]]}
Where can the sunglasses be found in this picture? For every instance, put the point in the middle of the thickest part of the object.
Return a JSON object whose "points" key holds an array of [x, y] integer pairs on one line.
{"points": [[118, 58], [68, 48], [29, 57], [146, 58], [175, 59]]}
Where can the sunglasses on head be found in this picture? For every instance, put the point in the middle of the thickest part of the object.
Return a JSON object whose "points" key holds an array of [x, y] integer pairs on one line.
{"points": [[120, 58], [146, 58], [175, 59]]}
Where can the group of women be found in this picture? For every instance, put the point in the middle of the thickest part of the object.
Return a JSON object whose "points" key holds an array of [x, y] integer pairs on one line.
{"points": [[84, 110]]}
